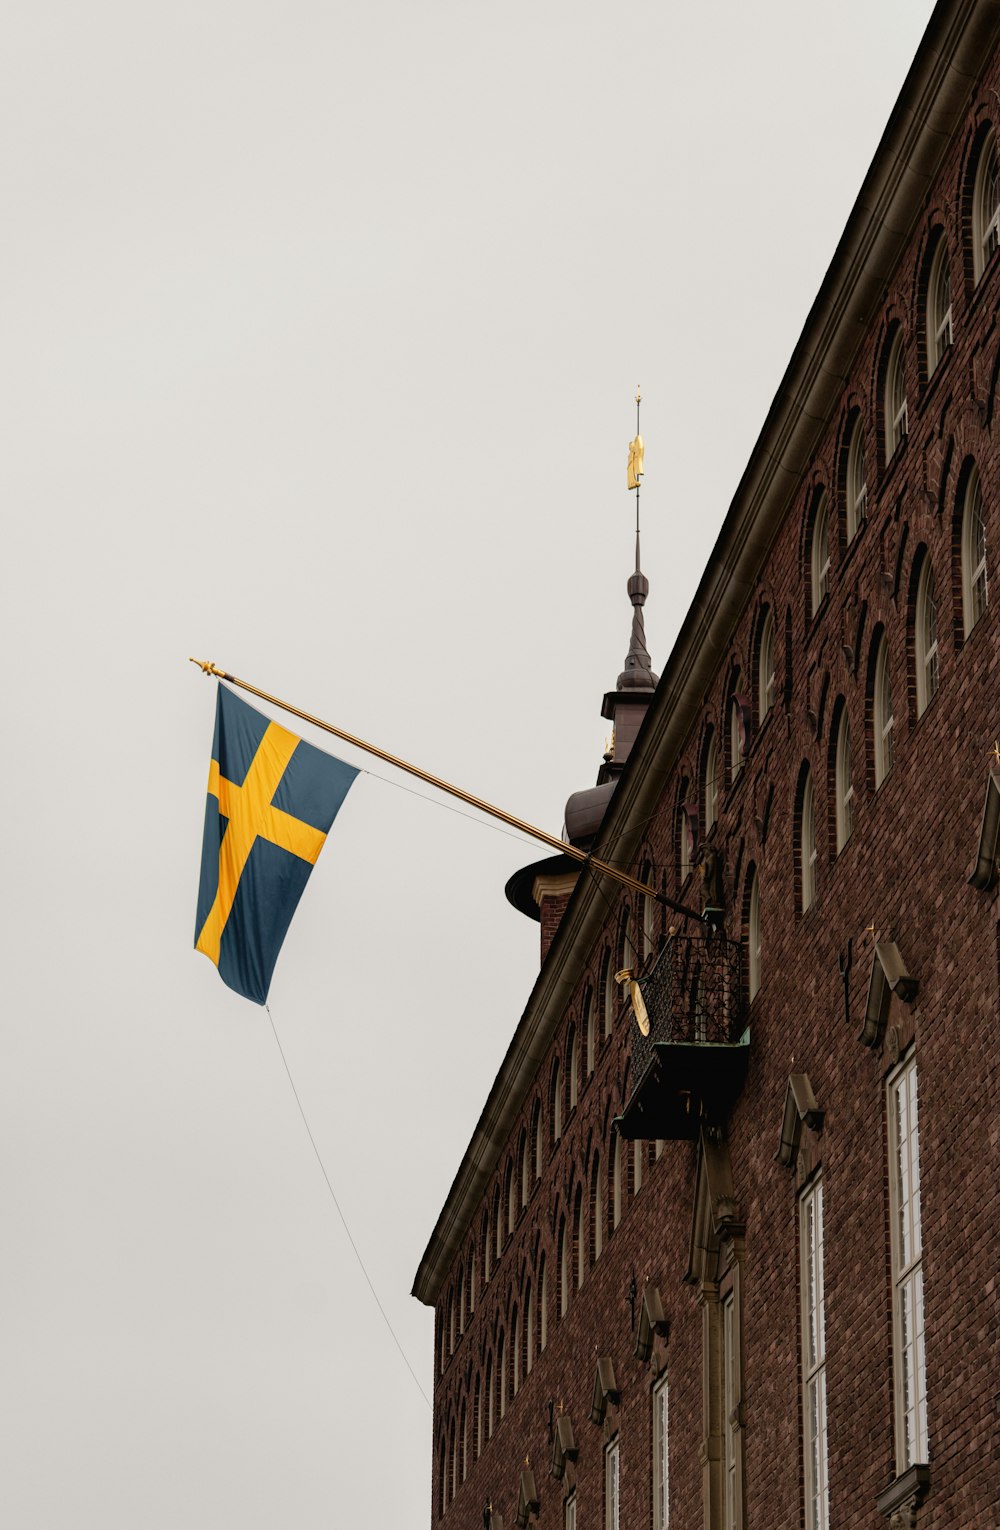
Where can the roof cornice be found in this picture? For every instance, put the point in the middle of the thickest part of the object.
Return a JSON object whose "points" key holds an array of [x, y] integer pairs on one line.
{"points": [[957, 43]]}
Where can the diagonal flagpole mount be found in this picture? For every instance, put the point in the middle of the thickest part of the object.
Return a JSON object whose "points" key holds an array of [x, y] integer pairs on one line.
{"points": [[603, 867]]}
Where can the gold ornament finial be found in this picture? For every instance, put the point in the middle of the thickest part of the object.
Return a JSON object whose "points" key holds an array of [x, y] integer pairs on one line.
{"points": [[206, 666], [638, 394], [635, 450], [996, 751]]}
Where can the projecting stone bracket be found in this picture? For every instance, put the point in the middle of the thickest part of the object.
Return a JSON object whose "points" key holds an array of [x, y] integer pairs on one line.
{"points": [[900, 1501]]}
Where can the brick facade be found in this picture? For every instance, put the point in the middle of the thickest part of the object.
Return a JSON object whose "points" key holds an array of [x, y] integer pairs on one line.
{"points": [[903, 871]]}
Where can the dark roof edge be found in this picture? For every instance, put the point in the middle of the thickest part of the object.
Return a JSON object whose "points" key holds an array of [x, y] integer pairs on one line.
{"points": [[956, 44]]}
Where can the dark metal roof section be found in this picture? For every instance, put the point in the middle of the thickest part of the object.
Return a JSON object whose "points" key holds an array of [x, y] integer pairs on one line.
{"points": [[638, 672]]}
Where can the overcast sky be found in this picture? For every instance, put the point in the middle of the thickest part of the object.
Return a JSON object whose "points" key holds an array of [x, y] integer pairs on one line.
{"points": [[321, 330]]}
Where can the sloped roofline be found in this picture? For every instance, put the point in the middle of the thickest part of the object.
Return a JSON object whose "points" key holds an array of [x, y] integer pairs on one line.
{"points": [[928, 112]]}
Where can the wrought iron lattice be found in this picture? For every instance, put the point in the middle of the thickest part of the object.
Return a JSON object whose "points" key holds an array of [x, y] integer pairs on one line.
{"points": [[693, 994]]}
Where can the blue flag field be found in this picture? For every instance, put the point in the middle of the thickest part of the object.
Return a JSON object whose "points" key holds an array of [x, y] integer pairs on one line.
{"points": [[271, 800]]}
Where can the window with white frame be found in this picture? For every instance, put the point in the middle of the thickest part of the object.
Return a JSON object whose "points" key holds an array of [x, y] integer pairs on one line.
{"points": [[909, 1367], [638, 1159], [765, 667], [895, 396], [661, 1458], [711, 793], [735, 737], [608, 986], [611, 1485], [529, 1330], [590, 1029], [753, 940], [574, 1070], [986, 207], [975, 593], [648, 913], [813, 1356], [857, 481], [563, 1270], [926, 639], [685, 848], [807, 844], [543, 1306], [820, 553], [939, 330], [730, 1392], [883, 715], [569, 1512], [616, 1183], [844, 781], [600, 1201]]}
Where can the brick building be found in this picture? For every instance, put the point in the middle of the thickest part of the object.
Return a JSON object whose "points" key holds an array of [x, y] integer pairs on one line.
{"points": [[745, 1270]]}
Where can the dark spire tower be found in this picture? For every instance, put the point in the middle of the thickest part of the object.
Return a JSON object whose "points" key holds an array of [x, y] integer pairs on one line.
{"points": [[544, 886]]}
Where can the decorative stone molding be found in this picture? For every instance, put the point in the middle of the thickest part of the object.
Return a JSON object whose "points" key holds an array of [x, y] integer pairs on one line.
{"points": [[900, 1501], [889, 976], [652, 1323], [528, 1501], [563, 1446], [987, 868], [801, 1110], [605, 1390]]}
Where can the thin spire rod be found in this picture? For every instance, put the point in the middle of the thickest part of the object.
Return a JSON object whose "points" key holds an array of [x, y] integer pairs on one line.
{"points": [[572, 851]]}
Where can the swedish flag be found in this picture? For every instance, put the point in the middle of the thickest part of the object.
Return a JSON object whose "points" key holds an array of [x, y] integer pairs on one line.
{"points": [[271, 800]]}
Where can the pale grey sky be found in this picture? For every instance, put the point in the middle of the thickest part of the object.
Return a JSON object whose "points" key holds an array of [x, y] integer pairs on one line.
{"points": [[321, 333]]}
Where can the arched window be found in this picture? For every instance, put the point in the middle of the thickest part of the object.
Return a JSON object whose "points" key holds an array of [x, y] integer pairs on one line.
{"points": [[597, 1208], [685, 843], [590, 1028], [807, 844], [543, 1304], [626, 948], [894, 404], [453, 1460], [819, 553], [563, 1254], [502, 1373], [844, 783], [451, 1322], [460, 1288], [580, 1237], [529, 1330], [753, 939], [522, 1168], [939, 331], [737, 734], [487, 1250], [710, 787], [638, 1158], [986, 207], [648, 912], [472, 1279], [478, 1411], [926, 638], [616, 1174], [464, 1442], [515, 1351], [857, 481], [443, 1476], [765, 666], [975, 592], [608, 993], [574, 1068], [536, 1135], [490, 1400], [555, 1101], [882, 714], [498, 1238]]}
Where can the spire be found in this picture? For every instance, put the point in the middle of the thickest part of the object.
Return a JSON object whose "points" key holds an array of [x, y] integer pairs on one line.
{"points": [[638, 673]]}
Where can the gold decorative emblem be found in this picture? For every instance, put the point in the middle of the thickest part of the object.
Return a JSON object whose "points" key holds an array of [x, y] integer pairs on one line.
{"points": [[626, 979], [635, 468]]}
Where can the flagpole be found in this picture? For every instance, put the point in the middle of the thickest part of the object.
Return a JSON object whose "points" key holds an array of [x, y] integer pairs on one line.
{"points": [[572, 851]]}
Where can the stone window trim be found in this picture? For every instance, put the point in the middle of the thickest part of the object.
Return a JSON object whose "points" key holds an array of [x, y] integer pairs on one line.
{"points": [[605, 1390], [900, 1501], [986, 871], [801, 1110], [653, 1323], [906, 1246], [564, 1447], [528, 1501]]}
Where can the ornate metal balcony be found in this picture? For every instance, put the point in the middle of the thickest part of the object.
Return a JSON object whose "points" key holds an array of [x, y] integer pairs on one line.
{"points": [[691, 1066]]}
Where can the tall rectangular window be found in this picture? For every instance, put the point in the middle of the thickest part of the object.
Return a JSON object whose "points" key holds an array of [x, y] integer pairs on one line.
{"points": [[910, 1375], [611, 1485], [813, 1357], [730, 1372], [661, 1481]]}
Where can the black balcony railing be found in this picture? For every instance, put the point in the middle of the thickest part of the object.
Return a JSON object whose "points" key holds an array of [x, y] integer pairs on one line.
{"points": [[693, 1061]]}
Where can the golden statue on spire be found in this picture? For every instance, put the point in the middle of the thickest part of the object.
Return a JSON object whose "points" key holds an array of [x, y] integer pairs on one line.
{"points": [[635, 449]]}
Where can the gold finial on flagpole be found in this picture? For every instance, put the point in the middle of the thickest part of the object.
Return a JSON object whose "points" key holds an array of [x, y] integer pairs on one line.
{"points": [[208, 668]]}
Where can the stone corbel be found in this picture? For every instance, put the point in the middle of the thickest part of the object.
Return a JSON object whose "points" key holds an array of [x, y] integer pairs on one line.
{"points": [[801, 1110]]}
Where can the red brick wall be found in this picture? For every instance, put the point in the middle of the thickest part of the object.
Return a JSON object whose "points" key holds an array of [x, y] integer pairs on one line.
{"points": [[903, 870]]}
